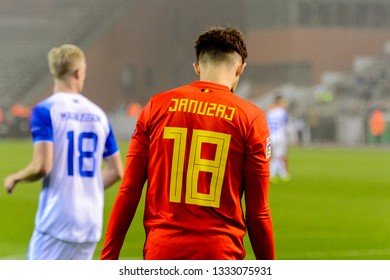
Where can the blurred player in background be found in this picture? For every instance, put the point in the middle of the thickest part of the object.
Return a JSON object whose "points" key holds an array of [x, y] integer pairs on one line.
{"points": [[277, 118], [71, 137], [200, 148]]}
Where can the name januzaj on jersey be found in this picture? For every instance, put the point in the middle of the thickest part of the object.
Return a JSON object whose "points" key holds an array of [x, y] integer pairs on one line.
{"points": [[202, 108], [80, 117]]}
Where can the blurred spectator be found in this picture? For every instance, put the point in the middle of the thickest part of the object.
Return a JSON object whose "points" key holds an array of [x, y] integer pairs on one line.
{"points": [[377, 124], [20, 111], [299, 124], [18, 121], [134, 109], [1, 116]]}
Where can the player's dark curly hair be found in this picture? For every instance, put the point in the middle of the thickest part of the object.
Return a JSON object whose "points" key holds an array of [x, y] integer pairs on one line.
{"points": [[218, 41]]}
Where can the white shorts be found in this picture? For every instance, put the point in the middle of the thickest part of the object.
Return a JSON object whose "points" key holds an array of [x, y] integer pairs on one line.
{"points": [[46, 247]]}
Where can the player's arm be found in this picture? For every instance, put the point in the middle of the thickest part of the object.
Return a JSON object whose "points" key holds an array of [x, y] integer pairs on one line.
{"points": [[113, 170], [130, 191], [256, 180], [125, 206], [40, 165], [258, 216]]}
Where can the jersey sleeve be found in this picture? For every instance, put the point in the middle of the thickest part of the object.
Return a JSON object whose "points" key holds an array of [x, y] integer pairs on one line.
{"points": [[40, 124], [286, 119], [258, 150], [111, 147], [139, 144], [256, 180], [130, 190], [258, 216], [125, 206]]}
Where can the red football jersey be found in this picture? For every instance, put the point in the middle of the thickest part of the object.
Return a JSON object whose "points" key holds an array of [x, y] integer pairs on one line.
{"points": [[202, 145]]}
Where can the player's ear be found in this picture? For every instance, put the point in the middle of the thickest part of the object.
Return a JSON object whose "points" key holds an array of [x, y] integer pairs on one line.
{"points": [[76, 73], [196, 68], [240, 69]]}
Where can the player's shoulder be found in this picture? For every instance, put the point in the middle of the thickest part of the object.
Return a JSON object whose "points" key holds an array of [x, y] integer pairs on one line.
{"points": [[45, 104], [163, 98], [94, 108], [170, 92], [248, 107], [277, 111], [92, 104]]}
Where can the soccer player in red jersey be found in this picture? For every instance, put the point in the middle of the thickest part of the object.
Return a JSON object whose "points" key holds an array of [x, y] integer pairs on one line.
{"points": [[200, 148]]}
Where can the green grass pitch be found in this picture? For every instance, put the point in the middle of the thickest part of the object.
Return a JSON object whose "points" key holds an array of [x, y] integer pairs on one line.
{"points": [[336, 207]]}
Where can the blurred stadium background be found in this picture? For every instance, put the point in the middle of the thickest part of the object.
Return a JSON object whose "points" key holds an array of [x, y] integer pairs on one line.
{"points": [[330, 59]]}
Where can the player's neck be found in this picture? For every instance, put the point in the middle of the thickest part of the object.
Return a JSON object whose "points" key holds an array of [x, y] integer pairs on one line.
{"points": [[65, 87], [217, 75], [216, 81]]}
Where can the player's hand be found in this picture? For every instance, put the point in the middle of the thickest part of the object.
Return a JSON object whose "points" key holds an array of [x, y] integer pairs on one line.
{"points": [[9, 183]]}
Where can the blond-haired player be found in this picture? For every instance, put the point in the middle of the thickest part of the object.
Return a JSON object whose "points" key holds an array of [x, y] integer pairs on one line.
{"points": [[72, 137]]}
